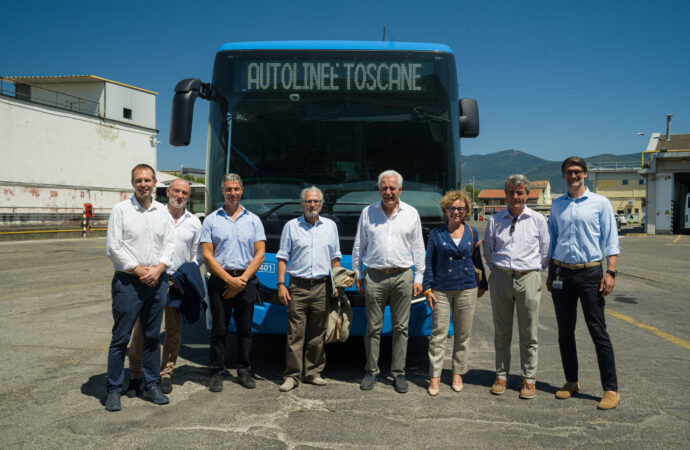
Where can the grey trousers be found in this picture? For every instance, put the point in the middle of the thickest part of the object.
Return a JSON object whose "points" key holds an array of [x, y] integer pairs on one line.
{"points": [[306, 309], [522, 294], [461, 303], [396, 290]]}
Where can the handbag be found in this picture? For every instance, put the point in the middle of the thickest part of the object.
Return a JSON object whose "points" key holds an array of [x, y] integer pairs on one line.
{"points": [[479, 275]]}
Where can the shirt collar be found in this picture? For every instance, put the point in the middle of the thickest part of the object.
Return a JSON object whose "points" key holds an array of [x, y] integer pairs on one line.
{"points": [[302, 220], [583, 196], [221, 210], [137, 205]]}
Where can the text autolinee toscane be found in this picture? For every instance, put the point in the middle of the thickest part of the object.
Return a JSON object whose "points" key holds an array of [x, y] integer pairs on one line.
{"points": [[327, 76]]}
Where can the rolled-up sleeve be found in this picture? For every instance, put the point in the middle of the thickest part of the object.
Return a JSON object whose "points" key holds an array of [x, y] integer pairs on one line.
{"points": [[418, 251], [285, 244], [335, 243], [609, 231]]}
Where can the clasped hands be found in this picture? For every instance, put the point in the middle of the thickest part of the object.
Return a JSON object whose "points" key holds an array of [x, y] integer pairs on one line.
{"points": [[149, 275]]}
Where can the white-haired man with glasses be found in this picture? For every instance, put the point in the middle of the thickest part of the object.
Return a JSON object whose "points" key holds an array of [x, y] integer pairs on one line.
{"points": [[516, 248], [311, 246]]}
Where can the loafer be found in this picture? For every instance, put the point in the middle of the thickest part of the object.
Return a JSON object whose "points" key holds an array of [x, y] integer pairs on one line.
{"points": [[166, 385], [528, 390], [499, 387], [609, 400], [432, 391], [569, 389], [216, 384], [246, 381], [288, 385], [400, 384], [368, 381], [134, 388], [457, 387], [155, 395], [316, 381], [112, 403]]}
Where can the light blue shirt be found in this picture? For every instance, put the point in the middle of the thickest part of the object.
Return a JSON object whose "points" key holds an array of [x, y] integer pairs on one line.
{"points": [[309, 249], [579, 227], [233, 241]]}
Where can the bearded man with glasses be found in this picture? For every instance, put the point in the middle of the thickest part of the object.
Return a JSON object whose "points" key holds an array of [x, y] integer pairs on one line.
{"points": [[516, 248]]}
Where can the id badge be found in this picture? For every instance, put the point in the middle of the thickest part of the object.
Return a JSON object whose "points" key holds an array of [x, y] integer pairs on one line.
{"points": [[557, 284]]}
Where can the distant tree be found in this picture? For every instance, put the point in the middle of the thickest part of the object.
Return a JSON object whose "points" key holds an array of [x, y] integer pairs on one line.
{"points": [[474, 193]]}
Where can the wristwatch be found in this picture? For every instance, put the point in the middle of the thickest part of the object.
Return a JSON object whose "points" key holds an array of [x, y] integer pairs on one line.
{"points": [[280, 283], [612, 273]]}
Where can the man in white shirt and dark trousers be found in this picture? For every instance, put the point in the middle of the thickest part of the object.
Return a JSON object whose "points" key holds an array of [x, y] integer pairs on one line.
{"points": [[389, 243], [516, 248], [311, 245], [233, 243], [140, 244], [187, 232]]}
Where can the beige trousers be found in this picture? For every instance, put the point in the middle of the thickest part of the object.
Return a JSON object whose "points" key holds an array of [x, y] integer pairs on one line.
{"points": [[461, 304], [171, 345], [510, 294]]}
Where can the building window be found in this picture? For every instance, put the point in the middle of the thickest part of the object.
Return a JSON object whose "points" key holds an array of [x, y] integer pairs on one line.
{"points": [[644, 202], [127, 113], [637, 211], [641, 181], [625, 182]]}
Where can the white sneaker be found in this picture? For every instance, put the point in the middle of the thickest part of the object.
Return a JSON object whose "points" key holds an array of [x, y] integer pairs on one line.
{"points": [[288, 385], [318, 381]]}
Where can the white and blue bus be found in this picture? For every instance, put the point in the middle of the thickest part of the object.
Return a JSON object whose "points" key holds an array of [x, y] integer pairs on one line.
{"points": [[334, 114]]}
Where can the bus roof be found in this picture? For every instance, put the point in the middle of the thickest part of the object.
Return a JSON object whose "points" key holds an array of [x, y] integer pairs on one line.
{"points": [[335, 45]]}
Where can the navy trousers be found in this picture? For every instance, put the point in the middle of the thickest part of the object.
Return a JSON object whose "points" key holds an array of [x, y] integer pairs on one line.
{"points": [[132, 299], [583, 284]]}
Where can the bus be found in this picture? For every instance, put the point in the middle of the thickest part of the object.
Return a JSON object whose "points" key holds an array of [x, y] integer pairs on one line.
{"points": [[287, 115]]}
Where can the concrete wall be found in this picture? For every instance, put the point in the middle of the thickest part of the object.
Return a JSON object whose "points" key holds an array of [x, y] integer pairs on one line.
{"points": [[53, 158], [142, 105]]}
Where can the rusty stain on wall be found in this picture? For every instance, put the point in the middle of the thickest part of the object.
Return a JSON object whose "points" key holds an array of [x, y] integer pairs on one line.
{"points": [[53, 194]]}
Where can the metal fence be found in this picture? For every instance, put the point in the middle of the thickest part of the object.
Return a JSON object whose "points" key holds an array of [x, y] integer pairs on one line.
{"points": [[43, 96]]}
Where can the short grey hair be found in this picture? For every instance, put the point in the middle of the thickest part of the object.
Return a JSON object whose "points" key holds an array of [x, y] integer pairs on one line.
{"points": [[303, 194], [390, 173], [231, 177], [518, 180]]}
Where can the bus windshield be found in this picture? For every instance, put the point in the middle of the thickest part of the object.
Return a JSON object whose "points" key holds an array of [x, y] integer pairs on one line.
{"points": [[333, 119]]}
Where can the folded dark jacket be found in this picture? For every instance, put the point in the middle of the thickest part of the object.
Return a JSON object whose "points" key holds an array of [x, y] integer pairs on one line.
{"points": [[190, 292]]}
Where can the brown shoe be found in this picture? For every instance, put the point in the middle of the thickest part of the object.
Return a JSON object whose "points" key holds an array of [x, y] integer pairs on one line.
{"points": [[569, 389], [609, 400], [528, 390], [499, 387]]}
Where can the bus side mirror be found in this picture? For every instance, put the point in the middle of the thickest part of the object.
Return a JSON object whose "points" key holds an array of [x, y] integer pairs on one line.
{"points": [[469, 117], [182, 112]]}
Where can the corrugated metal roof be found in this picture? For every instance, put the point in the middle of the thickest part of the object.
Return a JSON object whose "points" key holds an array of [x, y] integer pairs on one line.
{"points": [[49, 79]]}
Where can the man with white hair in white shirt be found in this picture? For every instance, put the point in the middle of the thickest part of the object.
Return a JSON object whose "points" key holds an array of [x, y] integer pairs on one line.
{"points": [[140, 243], [389, 243]]}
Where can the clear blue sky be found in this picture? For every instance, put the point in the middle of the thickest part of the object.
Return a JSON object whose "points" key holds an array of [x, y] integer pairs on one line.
{"points": [[552, 78]]}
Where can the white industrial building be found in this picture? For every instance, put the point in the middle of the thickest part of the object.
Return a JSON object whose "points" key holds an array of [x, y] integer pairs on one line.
{"points": [[70, 140], [666, 166]]}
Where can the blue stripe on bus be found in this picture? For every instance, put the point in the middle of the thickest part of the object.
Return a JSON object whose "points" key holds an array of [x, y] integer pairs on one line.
{"points": [[335, 45]]}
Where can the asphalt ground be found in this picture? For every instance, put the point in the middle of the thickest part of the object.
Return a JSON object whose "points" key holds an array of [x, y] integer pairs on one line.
{"points": [[55, 323]]}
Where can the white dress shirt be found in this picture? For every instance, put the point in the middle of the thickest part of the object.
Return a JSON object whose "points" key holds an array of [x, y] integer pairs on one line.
{"points": [[383, 243], [187, 233], [526, 248], [138, 236]]}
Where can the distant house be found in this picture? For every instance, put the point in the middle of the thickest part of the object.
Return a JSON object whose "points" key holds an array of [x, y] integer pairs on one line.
{"points": [[492, 201], [544, 203], [624, 187]]}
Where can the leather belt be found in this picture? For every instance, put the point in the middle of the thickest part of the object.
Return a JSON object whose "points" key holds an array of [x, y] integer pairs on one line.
{"points": [[310, 282], [577, 266], [234, 272], [390, 270], [518, 273]]}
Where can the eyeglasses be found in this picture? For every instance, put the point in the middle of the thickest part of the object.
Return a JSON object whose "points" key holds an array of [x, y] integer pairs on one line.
{"points": [[575, 172], [512, 225], [315, 202], [456, 209]]}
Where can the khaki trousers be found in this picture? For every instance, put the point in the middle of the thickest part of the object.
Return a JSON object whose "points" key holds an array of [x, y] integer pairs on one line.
{"points": [[171, 345], [461, 303], [396, 290], [521, 294], [307, 308]]}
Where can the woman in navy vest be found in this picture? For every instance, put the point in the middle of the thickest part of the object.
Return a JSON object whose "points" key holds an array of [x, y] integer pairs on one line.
{"points": [[450, 286]]}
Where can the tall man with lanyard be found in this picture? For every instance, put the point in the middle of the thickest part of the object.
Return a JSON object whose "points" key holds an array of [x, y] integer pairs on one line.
{"points": [[389, 243], [581, 222], [233, 244], [140, 244]]}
